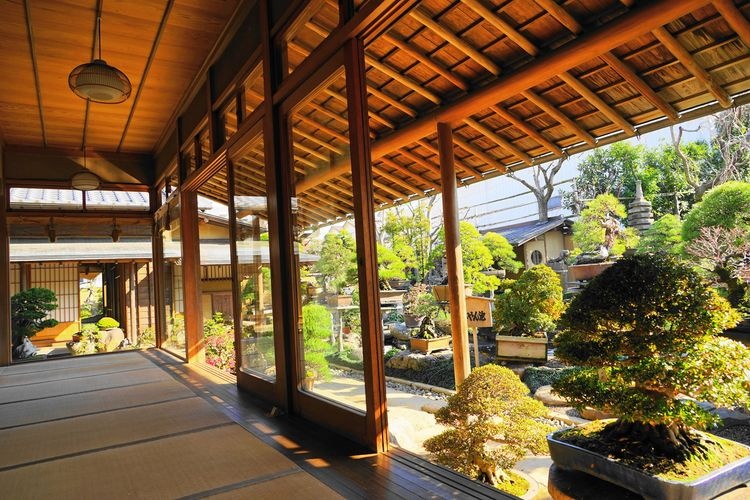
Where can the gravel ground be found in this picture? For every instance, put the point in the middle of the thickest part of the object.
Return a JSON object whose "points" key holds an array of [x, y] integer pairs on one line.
{"points": [[739, 433]]}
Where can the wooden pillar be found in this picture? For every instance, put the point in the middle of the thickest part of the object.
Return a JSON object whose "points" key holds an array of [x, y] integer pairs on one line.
{"points": [[191, 276], [456, 294], [157, 254], [6, 338], [367, 257]]}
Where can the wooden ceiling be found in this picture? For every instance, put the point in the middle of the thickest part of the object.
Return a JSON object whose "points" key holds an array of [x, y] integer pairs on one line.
{"points": [[523, 82], [159, 44]]}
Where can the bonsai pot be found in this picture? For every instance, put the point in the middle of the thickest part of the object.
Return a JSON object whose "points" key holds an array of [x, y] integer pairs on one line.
{"points": [[340, 300], [308, 383], [510, 347], [570, 457], [429, 345], [585, 272]]}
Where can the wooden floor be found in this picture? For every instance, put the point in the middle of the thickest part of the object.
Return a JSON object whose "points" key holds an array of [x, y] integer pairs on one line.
{"points": [[145, 425]]}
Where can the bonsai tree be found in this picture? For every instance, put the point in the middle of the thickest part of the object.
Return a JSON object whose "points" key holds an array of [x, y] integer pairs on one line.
{"points": [[28, 310], [644, 331], [475, 257], [418, 301], [317, 326], [390, 266], [106, 323], [492, 426], [600, 226], [664, 235], [337, 260], [502, 252], [532, 304]]}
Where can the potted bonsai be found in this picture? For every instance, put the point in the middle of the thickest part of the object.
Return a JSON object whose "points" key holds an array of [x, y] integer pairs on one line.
{"points": [[492, 425], [645, 334], [418, 303], [429, 338], [526, 312], [29, 310]]}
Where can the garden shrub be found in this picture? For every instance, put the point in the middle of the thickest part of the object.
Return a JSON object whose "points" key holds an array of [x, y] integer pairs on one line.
{"points": [[537, 376], [28, 310], [106, 323], [218, 337], [89, 329], [644, 331], [531, 304], [317, 326], [491, 426], [346, 359]]}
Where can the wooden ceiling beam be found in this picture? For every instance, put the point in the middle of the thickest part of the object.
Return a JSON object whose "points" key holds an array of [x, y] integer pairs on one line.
{"points": [[477, 153], [459, 43], [630, 76], [422, 162], [406, 171], [327, 130], [35, 67], [505, 28], [388, 189], [432, 149], [402, 79], [328, 113], [326, 203], [391, 101], [734, 18], [497, 139], [593, 98], [559, 116], [526, 128], [348, 202], [687, 60], [563, 16], [372, 114], [311, 151], [379, 170], [319, 142], [426, 60]]}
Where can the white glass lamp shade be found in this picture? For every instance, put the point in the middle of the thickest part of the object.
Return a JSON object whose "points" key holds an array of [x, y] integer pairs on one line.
{"points": [[85, 181]]}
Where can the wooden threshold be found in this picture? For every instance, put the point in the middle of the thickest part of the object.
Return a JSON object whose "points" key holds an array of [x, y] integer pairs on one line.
{"points": [[346, 467]]}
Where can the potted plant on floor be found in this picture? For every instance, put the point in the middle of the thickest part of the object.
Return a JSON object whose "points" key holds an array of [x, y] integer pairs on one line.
{"points": [[492, 425], [429, 338], [644, 333], [526, 312]]}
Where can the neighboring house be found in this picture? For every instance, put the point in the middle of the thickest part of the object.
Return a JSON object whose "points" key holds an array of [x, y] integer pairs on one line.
{"points": [[538, 242]]}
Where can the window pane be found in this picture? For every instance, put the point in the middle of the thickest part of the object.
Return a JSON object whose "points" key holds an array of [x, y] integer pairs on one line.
{"points": [[253, 257], [254, 90], [325, 245], [173, 338]]}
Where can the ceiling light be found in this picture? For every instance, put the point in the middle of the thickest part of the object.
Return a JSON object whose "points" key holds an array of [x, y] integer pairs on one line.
{"points": [[97, 81], [85, 181]]}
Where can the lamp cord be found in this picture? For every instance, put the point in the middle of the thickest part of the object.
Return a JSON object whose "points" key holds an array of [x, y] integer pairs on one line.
{"points": [[99, 34]]}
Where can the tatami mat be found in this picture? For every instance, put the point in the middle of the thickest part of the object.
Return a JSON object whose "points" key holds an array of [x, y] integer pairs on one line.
{"points": [[130, 430]]}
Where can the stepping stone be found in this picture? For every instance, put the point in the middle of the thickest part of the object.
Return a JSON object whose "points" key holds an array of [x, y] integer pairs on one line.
{"points": [[546, 395]]}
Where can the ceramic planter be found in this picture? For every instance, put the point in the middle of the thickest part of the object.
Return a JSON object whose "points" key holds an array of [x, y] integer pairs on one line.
{"points": [[570, 457], [429, 345], [412, 320], [521, 348], [340, 300], [585, 272]]}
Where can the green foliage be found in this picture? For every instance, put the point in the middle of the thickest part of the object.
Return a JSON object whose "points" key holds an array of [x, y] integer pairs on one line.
{"points": [[537, 376], [599, 225], [409, 236], [337, 261], [490, 407], [502, 252], [106, 323], [346, 358], [390, 265], [664, 235], [475, 256], [92, 301], [419, 301], [644, 332], [89, 329], [727, 206], [28, 310], [147, 338], [317, 326], [218, 338], [533, 303]]}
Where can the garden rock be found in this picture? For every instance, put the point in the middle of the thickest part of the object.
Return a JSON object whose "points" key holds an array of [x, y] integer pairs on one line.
{"points": [[546, 395], [594, 414], [111, 338], [731, 417], [400, 332]]}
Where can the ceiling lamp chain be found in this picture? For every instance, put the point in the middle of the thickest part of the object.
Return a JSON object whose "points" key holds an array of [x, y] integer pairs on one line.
{"points": [[97, 81]]}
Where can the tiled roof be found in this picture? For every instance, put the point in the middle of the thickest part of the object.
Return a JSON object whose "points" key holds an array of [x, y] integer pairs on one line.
{"points": [[521, 233], [72, 199]]}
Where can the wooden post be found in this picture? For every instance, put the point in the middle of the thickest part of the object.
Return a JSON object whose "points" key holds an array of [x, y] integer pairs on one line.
{"points": [[456, 294], [367, 257], [191, 276], [6, 338]]}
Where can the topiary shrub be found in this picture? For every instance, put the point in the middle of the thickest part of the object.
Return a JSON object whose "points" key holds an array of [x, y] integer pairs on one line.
{"points": [[106, 323], [89, 329], [644, 331], [492, 426], [531, 304], [28, 310], [317, 326]]}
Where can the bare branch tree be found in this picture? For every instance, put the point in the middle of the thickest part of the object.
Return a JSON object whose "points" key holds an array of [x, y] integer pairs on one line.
{"points": [[544, 185]]}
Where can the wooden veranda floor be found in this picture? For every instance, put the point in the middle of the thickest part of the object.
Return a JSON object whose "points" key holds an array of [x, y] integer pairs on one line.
{"points": [[144, 425]]}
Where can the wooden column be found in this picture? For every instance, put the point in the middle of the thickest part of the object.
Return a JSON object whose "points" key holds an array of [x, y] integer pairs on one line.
{"points": [[157, 254], [191, 276], [367, 257], [5, 333], [456, 294]]}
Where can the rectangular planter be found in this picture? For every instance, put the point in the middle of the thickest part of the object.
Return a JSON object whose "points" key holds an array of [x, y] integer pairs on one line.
{"points": [[569, 457], [585, 272], [340, 300], [521, 348], [429, 345]]}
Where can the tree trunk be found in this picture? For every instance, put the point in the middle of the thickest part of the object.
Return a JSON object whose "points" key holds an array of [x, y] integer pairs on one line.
{"points": [[675, 441]]}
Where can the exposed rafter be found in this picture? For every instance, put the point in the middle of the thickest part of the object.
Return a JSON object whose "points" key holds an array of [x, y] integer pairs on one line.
{"points": [[504, 144], [559, 116], [563, 16], [426, 60], [598, 102], [509, 31]]}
